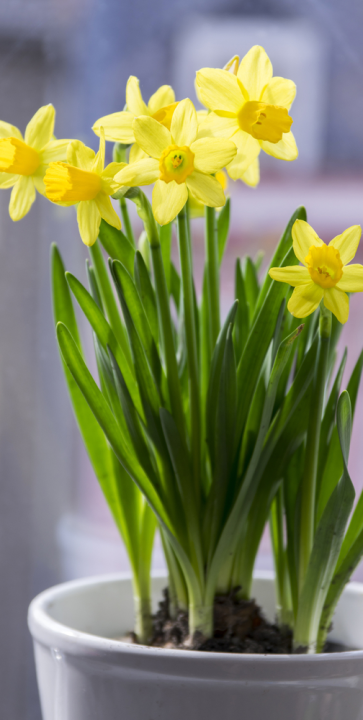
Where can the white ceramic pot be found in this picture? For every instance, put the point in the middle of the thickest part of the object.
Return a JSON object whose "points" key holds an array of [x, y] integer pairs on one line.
{"points": [[83, 674]]}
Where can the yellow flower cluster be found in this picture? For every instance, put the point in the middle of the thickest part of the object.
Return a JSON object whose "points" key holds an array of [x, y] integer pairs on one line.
{"points": [[182, 152]]}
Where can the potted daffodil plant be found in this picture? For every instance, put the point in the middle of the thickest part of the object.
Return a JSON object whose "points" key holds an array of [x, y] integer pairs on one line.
{"points": [[201, 427]]}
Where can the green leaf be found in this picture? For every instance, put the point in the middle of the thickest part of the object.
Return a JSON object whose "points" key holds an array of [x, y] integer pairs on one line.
{"points": [[130, 297], [106, 419], [334, 461], [223, 442], [242, 322], [104, 463], [231, 532], [93, 287], [175, 285], [223, 228], [257, 345], [105, 335], [117, 246], [147, 295], [108, 299], [251, 285], [129, 419], [283, 247], [327, 541], [214, 383]]}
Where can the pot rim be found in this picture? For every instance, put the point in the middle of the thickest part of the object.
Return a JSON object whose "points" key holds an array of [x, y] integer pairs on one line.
{"points": [[42, 626]]}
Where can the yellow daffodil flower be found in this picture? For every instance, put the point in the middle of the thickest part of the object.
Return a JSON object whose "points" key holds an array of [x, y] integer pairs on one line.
{"points": [[84, 180], [326, 273], [118, 126], [197, 208], [23, 161], [178, 163], [250, 107]]}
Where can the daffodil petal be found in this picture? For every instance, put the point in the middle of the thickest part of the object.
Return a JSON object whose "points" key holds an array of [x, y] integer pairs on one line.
{"points": [[305, 299], [89, 220], [99, 161], [117, 127], [219, 90], [212, 154], [352, 280], [248, 149], [303, 237], [165, 95], [252, 175], [7, 130], [107, 210], [7, 180], [152, 137], [112, 169], [134, 101], [55, 151], [294, 275], [38, 180], [39, 130], [218, 126], [184, 124], [168, 200], [80, 155], [285, 149], [347, 243], [137, 153], [255, 72], [206, 189], [338, 302], [144, 172], [279, 91], [22, 197]]}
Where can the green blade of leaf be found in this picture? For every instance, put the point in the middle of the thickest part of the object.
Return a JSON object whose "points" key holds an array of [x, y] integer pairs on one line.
{"points": [[105, 335], [223, 228], [281, 250], [147, 295], [327, 541], [130, 298], [106, 419], [117, 245]]}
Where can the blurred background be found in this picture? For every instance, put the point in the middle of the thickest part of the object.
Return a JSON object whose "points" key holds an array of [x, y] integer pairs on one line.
{"points": [[78, 54]]}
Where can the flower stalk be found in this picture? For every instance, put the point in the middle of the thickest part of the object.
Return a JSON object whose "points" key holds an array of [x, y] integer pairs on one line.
{"points": [[308, 496]]}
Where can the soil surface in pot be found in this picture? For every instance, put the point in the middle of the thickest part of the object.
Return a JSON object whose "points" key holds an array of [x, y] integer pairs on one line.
{"points": [[239, 627]]}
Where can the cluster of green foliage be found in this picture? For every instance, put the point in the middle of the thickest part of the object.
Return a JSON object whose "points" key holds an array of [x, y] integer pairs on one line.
{"points": [[210, 430]]}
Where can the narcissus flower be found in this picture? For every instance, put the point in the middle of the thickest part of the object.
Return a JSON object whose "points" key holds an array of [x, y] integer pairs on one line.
{"points": [[23, 161], [84, 180], [118, 126], [250, 107], [178, 163], [326, 273]]}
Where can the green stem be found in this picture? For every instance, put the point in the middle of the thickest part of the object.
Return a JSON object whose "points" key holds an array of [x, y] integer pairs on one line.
{"points": [[126, 219], [191, 343], [277, 537], [143, 618], [201, 619], [211, 250], [308, 495]]}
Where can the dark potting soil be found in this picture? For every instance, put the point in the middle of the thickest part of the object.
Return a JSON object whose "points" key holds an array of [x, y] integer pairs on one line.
{"points": [[239, 627]]}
